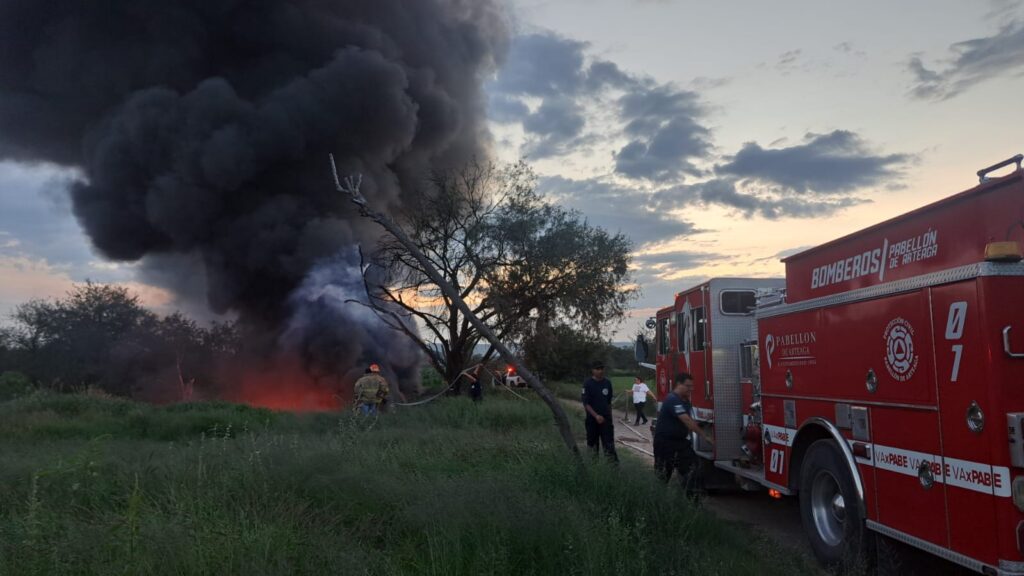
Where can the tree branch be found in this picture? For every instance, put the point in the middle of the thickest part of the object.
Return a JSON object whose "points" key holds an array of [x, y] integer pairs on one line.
{"points": [[351, 188]]}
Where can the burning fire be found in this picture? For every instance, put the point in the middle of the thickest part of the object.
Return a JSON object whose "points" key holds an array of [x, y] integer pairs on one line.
{"points": [[287, 387]]}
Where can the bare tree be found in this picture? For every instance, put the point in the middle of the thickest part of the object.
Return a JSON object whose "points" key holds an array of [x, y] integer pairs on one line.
{"points": [[351, 188]]}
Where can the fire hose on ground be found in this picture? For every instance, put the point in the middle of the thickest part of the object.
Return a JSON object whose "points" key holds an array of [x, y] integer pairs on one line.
{"points": [[446, 389]]}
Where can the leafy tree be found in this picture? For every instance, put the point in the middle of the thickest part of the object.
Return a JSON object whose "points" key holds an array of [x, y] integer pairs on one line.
{"points": [[7, 346], [100, 335], [72, 342], [562, 352], [520, 262]]}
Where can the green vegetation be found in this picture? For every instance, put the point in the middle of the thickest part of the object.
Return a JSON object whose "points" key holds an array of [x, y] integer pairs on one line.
{"points": [[620, 385], [13, 384], [94, 485]]}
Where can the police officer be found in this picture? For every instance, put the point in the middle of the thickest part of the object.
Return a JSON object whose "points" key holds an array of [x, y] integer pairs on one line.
{"points": [[597, 401], [673, 447]]}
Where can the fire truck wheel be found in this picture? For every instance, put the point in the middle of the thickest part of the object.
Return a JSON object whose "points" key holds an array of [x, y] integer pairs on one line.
{"points": [[829, 506]]}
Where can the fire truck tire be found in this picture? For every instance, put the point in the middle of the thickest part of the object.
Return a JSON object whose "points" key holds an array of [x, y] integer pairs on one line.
{"points": [[830, 508]]}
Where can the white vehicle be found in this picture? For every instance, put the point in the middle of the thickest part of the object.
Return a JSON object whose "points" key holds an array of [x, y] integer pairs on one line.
{"points": [[512, 379]]}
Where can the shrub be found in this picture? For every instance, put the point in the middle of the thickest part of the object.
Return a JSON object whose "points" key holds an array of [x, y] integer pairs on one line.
{"points": [[13, 385]]}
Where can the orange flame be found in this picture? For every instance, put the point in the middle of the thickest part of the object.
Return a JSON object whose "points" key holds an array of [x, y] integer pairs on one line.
{"points": [[286, 387]]}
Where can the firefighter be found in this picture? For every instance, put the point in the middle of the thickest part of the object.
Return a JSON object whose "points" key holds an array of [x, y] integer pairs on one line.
{"points": [[673, 446], [597, 401], [476, 391], [371, 391]]}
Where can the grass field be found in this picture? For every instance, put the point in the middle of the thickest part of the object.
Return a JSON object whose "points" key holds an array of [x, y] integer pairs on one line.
{"points": [[101, 486], [621, 400]]}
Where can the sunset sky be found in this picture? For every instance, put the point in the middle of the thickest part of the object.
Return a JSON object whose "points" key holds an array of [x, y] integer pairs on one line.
{"points": [[718, 136]]}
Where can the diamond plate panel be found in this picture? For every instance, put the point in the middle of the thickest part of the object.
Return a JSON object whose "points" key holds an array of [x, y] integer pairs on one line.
{"points": [[727, 333]]}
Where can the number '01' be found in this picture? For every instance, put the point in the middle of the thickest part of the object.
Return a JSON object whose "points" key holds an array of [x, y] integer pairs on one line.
{"points": [[955, 331]]}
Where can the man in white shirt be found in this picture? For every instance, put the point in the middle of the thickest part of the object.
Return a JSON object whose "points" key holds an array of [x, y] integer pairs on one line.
{"points": [[640, 394]]}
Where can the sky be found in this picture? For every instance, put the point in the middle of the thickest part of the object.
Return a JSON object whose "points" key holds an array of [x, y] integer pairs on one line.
{"points": [[719, 137]]}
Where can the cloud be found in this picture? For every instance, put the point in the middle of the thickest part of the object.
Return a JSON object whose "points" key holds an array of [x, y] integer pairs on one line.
{"points": [[1003, 9], [551, 87], [788, 60], [505, 109], [42, 249], [666, 133], [635, 212], [850, 49], [607, 74], [817, 177], [555, 91], [542, 64], [673, 258], [542, 86], [36, 219], [778, 256], [837, 162], [27, 279], [726, 192], [630, 211], [658, 290], [557, 123], [971, 62]]}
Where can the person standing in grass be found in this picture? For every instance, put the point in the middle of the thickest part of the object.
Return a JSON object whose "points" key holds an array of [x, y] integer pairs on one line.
{"points": [[597, 401], [371, 390], [640, 394], [673, 445], [472, 374]]}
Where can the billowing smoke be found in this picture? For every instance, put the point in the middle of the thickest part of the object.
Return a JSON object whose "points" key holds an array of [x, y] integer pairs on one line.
{"points": [[202, 129]]}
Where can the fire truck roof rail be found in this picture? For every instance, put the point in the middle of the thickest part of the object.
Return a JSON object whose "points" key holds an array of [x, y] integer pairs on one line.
{"points": [[984, 172]]}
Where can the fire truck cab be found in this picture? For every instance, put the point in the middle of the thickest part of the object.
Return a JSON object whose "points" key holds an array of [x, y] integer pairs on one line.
{"points": [[884, 386]]}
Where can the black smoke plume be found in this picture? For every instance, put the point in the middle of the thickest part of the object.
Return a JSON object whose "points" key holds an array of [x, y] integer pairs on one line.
{"points": [[202, 128]]}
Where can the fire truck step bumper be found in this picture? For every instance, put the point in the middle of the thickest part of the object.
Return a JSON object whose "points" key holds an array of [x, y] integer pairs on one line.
{"points": [[754, 474], [1006, 568]]}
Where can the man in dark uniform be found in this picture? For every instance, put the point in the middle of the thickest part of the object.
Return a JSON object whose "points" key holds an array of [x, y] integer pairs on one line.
{"points": [[597, 401], [673, 447], [476, 390]]}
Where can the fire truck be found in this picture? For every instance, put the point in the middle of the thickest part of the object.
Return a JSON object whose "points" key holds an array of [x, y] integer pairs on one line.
{"points": [[881, 382]]}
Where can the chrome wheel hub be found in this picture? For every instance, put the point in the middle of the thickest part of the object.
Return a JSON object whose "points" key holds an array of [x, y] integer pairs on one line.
{"points": [[828, 508]]}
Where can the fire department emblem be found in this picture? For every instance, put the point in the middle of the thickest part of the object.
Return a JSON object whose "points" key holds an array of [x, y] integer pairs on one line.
{"points": [[900, 357], [769, 349]]}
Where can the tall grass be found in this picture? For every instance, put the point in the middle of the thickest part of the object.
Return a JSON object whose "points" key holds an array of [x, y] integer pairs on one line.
{"points": [[101, 486], [622, 399]]}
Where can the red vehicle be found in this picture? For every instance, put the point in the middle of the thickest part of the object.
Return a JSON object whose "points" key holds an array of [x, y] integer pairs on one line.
{"points": [[883, 386]]}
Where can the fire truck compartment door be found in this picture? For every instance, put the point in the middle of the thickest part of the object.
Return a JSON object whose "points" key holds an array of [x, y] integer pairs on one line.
{"points": [[1003, 379], [891, 338], [966, 447]]}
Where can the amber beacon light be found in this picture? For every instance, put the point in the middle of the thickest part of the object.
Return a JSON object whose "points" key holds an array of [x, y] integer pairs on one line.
{"points": [[1003, 252]]}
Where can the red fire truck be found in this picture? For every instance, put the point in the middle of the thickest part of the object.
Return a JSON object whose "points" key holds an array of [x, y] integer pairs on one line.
{"points": [[881, 382]]}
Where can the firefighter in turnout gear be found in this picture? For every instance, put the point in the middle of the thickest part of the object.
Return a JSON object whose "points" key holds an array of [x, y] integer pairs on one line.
{"points": [[371, 390]]}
